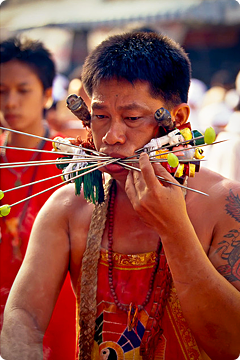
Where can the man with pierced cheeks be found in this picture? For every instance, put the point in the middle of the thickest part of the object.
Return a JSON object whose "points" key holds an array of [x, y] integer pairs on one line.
{"points": [[160, 275]]}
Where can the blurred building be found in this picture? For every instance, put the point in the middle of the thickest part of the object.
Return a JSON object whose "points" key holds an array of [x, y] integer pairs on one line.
{"points": [[209, 30]]}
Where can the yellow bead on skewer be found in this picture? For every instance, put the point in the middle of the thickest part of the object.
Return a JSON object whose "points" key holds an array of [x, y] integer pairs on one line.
{"points": [[209, 135], [4, 210], [172, 160], [1, 194]]}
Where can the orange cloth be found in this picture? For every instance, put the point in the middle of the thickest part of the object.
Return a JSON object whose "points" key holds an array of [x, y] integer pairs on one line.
{"points": [[131, 275], [59, 341]]}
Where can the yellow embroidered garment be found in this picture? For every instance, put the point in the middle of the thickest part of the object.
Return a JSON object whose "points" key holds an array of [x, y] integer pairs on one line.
{"points": [[113, 341]]}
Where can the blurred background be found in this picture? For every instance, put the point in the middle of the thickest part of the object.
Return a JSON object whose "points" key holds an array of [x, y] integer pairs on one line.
{"points": [[209, 30]]}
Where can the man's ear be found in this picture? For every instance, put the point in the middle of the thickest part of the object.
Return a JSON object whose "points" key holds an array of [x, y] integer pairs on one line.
{"points": [[47, 98], [180, 114]]}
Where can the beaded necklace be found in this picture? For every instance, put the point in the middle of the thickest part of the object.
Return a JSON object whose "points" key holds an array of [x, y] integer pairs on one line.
{"points": [[88, 300], [132, 310]]}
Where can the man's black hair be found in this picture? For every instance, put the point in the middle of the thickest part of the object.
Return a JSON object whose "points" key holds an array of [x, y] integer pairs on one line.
{"points": [[32, 53], [145, 56]]}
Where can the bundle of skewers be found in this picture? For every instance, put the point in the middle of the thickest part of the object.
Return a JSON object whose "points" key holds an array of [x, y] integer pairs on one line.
{"points": [[179, 150]]}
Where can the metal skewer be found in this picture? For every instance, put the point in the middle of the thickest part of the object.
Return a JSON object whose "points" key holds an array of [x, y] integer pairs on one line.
{"points": [[184, 149], [162, 179], [173, 151], [50, 162], [47, 139], [91, 158], [156, 160], [180, 143], [47, 151], [62, 183], [52, 177]]}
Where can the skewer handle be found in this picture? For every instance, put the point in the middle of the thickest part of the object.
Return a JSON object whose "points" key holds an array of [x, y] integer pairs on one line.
{"points": [[78, 107]]}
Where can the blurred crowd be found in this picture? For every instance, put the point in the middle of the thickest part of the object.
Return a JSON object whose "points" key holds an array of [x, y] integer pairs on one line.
{"points": [[58, 115], [219, 107]]}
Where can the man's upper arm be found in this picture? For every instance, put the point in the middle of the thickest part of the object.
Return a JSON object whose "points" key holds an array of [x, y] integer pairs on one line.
{"points": [[45, 266], [225, 249]]}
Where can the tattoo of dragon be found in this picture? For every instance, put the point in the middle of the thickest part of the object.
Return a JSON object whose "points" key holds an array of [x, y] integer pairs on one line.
{"points": [[230, 246]]}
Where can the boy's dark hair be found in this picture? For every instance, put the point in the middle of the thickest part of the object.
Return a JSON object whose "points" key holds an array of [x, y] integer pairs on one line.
{"points": [[145, 56], [32, 53]]}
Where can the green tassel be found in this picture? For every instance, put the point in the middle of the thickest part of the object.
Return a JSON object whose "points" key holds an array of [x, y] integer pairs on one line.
{"points": [[78, 183], [93, 187], [92, 183]]}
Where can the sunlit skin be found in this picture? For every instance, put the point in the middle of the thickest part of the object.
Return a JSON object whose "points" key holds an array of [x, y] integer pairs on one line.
{"points": [[22, 97], [191, 229]]}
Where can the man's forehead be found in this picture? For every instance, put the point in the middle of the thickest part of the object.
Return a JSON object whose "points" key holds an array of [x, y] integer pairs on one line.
{"points": [[121, 83], [116, 89], [133, 105], [122, 95]]}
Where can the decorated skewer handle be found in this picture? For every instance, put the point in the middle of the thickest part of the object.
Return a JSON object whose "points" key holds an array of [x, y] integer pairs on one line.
{"points": [[78, 107], [164, 120], [182, 138]]}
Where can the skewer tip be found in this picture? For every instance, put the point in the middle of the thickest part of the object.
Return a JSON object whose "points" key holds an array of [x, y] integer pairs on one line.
{"points": [[4, 210], [1, 194]]}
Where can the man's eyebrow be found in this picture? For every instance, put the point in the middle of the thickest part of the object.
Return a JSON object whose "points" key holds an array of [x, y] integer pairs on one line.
{"points": [[98, 106], [132, 106]]}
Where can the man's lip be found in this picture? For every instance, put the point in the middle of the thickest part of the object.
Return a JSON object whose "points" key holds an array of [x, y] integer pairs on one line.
{"points": [[114, 168], [116, 156]]}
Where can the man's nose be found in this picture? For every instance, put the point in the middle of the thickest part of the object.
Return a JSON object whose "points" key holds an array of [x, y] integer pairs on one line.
{"points": [[116, 133]]}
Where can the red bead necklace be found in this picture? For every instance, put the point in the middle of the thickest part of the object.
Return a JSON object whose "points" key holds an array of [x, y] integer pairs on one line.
{"points": [[131, 310]]}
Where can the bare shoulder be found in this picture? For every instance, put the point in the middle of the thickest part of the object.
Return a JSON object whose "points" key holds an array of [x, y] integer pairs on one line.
{"points": [[217, 220], [223, 200], [66, 205], [216, 213], [215, 185], [69, 210]]}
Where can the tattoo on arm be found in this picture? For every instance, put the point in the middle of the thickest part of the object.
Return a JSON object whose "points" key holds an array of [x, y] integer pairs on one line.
{"points": [[233, 206], [230, 246]]}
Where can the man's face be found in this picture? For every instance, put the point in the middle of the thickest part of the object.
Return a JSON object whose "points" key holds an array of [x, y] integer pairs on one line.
{"points": [[122, 119], [22, 98]]}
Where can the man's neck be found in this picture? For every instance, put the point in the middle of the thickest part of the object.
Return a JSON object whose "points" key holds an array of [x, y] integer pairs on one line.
{"points": [[130, 233]]}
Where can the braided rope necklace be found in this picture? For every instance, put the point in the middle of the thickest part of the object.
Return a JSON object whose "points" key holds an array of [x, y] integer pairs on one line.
{"points": [[131, 310]]}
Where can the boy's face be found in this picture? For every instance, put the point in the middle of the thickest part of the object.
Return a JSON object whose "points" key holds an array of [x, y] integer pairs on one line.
{"points": [[22, 98], [122, 119]]}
